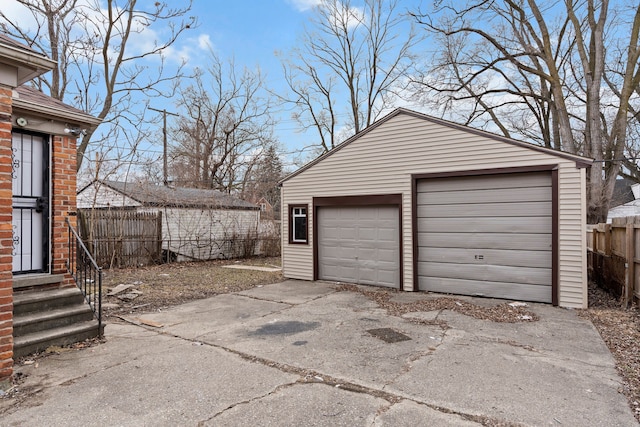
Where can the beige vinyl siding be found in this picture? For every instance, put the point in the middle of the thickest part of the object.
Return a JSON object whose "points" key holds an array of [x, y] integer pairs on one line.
{"points": [[297, 259], [572, 241], [383, 160]]}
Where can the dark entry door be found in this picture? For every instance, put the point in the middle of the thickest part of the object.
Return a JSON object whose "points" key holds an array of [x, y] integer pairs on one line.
{"points": [[30, 172]]}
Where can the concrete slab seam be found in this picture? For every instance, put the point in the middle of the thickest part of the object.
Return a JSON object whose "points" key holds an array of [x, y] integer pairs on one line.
{"points": [[277, 389], [312, 376], [284, 302]]}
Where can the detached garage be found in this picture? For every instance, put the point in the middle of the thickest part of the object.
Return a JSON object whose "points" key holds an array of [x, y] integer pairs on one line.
{"points": [[421, 204]]}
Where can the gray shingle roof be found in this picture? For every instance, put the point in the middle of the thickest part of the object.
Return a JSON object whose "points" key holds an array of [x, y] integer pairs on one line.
{"points": [[159, 195], [30, 94], [622, 192], [16, 44]]}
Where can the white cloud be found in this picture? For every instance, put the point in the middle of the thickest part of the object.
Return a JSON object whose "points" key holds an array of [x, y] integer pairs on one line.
{"points": [[304, 5], [204, 42], [16, 12]]}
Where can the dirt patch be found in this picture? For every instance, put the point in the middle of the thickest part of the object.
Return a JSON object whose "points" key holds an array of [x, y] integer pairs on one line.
{"points": [[504, 313], [620, 330], [158, 287]]}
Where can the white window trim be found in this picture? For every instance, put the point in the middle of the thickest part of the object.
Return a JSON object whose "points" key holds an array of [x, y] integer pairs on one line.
{"points": [[298, 212]]}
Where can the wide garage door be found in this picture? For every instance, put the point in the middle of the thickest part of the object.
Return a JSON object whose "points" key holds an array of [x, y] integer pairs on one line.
{"points": [[488, 235], [359, 244]]}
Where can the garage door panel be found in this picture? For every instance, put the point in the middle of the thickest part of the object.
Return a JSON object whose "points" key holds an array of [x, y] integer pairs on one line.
{"points": [[385, 278], [514, 258], [535, 194], [489, 234], [516, 291], [388, 234], [483, 182], [389, 255], [359, 244], [486, 225], [534, 242], [464, 210], [486, 272]]}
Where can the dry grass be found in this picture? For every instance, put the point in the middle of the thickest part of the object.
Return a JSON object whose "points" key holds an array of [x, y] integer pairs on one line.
{"points": [[620, 330], [166, 285]]}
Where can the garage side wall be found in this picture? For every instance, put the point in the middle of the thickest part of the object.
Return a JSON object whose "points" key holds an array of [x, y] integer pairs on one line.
{"points": [[383, 160]]}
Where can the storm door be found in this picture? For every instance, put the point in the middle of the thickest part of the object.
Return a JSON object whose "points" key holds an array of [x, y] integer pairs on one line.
{"points": [[30, 172]]}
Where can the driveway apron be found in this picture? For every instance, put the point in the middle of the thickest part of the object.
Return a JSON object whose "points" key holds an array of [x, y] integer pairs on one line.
{"points": [[311, 353]]}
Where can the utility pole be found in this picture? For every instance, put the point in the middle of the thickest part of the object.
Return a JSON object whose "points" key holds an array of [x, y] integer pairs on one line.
{"points": [[164, 142]]}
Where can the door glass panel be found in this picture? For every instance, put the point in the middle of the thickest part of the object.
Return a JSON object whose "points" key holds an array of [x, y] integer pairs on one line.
{"points": [[30, 203]]}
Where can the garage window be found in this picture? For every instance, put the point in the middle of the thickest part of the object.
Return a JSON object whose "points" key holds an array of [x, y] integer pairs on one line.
{"points": [[298, 224]]}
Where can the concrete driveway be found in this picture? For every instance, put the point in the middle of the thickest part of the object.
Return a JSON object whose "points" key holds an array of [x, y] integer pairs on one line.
{"points": [[300, 353]]}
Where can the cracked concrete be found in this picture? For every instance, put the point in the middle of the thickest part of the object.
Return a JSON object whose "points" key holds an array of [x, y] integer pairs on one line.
{"points": [[315, 364]]}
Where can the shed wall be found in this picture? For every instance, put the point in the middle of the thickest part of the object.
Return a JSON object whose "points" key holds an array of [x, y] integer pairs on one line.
{"points": [[205, 234], [383, 161]]}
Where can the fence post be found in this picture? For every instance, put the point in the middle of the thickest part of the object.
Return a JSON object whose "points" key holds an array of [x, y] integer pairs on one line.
{"points": [[159, 236], [630, 263], [607, 239]]}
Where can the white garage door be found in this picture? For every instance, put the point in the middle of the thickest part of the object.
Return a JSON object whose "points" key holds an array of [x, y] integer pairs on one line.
{"points": [[486, 235], [359, 245]]}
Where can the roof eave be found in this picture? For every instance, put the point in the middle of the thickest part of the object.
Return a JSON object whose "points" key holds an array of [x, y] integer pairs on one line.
{"points": [[581, 162], [55, 113], [30, 65]]}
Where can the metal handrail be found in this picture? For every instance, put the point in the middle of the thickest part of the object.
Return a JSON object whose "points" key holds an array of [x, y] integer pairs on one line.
{"points": [[85, 272]]}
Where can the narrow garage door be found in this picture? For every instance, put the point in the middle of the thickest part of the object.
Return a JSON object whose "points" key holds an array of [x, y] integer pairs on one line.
{"points": [[359, 244], [486, 235]]}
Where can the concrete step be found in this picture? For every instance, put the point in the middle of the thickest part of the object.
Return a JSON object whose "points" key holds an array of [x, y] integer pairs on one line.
{"points": [[45, 300], [64, 335], [37, 321], [31, 281]]}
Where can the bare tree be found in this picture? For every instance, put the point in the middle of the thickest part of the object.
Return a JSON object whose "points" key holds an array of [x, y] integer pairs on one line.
{"points": [[98, 68], [540, 72], [224, 127], [262, 181], [349, 62]]}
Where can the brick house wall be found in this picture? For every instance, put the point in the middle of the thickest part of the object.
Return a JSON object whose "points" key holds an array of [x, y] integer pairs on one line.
{"points": [[63, 201], [42, 114], [6, 238], [62, 206]]}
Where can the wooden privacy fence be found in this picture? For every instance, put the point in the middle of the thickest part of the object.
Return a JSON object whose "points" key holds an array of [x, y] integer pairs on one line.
{"points": [[122, 238], [613, 256]]}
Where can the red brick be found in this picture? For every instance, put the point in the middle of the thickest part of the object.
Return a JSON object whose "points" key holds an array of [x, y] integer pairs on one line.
{"points": [[5, 373]]}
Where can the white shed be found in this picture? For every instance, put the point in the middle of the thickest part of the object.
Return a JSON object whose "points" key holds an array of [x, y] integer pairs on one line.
{"points": [[197, 224], [418, 203]]}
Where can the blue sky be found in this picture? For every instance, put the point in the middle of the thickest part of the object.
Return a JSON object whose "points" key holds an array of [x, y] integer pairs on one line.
{"points": [[251, 32]]}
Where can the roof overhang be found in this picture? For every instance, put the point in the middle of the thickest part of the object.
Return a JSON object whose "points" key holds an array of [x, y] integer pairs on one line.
{"points": [[50, 112], [29, 64], [581, 162]]}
